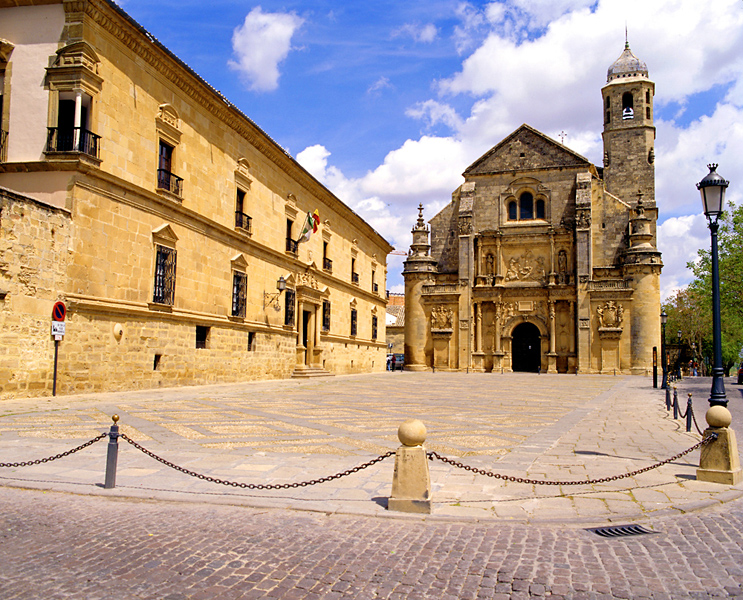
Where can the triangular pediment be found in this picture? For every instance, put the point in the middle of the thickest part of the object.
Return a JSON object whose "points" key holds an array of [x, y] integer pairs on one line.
{"points": [[526, 149]]}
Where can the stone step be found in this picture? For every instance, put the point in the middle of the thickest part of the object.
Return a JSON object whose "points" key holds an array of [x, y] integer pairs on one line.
{"points": [[306, 372]]}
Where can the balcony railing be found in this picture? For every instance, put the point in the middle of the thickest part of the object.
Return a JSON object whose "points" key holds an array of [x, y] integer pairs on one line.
{"points": [[3, 145], [73, 139], [292, 246], [355, 278], [375, 288], [243, 221], [169, 182], [327, 265]]}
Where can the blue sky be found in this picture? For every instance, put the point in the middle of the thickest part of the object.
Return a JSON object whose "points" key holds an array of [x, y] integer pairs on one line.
{"points": [[388, 102]]}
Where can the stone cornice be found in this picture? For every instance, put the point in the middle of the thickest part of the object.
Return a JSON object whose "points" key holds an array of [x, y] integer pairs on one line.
{"points": [[141, 43]]}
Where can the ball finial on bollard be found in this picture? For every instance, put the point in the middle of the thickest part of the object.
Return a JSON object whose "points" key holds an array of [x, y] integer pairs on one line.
{"points": [[115, 419], [412, 433], [718, 416]]}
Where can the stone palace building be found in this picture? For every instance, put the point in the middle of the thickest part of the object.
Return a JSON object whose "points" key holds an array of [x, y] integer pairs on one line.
{"points": [[165, 219], [543, 261]]}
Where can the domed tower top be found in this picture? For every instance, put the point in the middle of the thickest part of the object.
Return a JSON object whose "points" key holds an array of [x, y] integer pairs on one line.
{"points": [[627, 65]]}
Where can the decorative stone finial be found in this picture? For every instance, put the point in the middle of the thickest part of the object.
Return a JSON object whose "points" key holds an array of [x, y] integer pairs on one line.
{"points": [[718, 416], [412, 433]]}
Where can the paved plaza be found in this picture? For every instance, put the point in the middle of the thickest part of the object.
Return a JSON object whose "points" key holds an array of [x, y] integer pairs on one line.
{"points": [[163, 535], [559, 428]]}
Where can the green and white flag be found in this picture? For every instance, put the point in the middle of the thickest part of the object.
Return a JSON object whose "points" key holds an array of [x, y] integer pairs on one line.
{"points": [[310, 226]]}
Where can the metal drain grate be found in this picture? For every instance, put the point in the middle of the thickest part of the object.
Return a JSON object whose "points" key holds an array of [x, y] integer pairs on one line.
{"points": [[621, 531]]}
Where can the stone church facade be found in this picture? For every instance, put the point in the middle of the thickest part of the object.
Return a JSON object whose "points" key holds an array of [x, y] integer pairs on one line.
{"points": [[544, 261]]}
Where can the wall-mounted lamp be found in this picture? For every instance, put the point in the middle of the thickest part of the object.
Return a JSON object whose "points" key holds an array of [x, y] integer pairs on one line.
{"points": [[270, 299]]}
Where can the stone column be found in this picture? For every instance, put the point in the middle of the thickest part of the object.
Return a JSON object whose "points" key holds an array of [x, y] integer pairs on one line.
{"points": [[301, 348], [498, 260], [552, 276], [78, 119], [552, 354], [478, 325]]}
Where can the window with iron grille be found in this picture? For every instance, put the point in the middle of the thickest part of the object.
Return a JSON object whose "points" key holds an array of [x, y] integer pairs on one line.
{"points": [[326, 315], [354, 322], [374, 327], [239, 293], [164, 289], [289, 307]]}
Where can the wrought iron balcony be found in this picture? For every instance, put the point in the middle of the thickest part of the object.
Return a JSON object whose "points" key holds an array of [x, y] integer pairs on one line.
{"points": [[73, 139], [169, 182], [3, 145], [292, 246], [375, 288], [327, 265], [243, 221]]}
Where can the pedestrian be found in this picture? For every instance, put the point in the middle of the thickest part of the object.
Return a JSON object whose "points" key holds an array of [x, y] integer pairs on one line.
{"points": [[392, 362]]}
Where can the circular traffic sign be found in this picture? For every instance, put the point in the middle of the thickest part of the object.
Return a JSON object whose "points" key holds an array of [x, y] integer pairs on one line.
{"points": [[59, 311]]}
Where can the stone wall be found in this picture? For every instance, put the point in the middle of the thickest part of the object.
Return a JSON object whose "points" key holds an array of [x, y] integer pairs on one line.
{"points": [[34, 253]]}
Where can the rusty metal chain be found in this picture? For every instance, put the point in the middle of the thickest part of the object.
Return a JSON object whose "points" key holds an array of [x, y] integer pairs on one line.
{"points": [[432, 455], [678, 408], [694, 417], [257, 486], [56, 456]]}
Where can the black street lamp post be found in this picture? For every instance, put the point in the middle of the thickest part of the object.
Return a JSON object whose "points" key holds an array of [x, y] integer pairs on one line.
{"points": [[712, 188], [664, 359]]}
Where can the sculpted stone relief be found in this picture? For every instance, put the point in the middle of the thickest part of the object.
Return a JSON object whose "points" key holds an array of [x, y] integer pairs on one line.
{"points": [[441, 317], [562, 267], [610, 314], [526, 268], [583, 219], [307, 280]]}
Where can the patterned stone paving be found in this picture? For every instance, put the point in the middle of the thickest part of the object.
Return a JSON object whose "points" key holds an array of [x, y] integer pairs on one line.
{"points": [[465, 416], [552, 428]]}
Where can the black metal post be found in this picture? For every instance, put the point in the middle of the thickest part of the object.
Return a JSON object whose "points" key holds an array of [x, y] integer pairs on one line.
{"points": [[112, 455], [655, 367], [688, 413], [668, 399], [717, 395], [664, 364], [675, 403]]}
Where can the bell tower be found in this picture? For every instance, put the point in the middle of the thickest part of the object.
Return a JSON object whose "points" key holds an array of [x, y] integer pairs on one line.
{"points": [[629, 133]]}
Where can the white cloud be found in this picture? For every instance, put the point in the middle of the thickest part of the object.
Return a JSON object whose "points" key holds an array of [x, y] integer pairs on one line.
{"points": [[380, 84], [679, 239], [543, 62], [420, 33], [260, 44], [433, 112]]}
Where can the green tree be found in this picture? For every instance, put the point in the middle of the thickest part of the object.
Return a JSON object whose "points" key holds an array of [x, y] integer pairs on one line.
{"points": [[691, 308]]}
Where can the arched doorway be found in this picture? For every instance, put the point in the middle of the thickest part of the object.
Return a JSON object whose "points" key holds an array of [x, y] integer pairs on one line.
{"points": [[526, 348]]}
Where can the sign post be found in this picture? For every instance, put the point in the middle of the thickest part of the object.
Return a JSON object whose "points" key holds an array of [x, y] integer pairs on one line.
{"points": [[59, 312]]}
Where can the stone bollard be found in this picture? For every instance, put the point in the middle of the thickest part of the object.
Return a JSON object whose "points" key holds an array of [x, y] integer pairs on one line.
{"points": [[411, 483], [719, 461]]}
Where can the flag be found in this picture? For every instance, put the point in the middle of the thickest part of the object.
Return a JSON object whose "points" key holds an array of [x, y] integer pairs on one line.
{"points": [[310, 226]]}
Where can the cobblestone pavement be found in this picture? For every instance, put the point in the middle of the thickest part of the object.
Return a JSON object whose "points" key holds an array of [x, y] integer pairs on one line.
{"points": [[485, 539], [60, 546], [553, 428]]}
